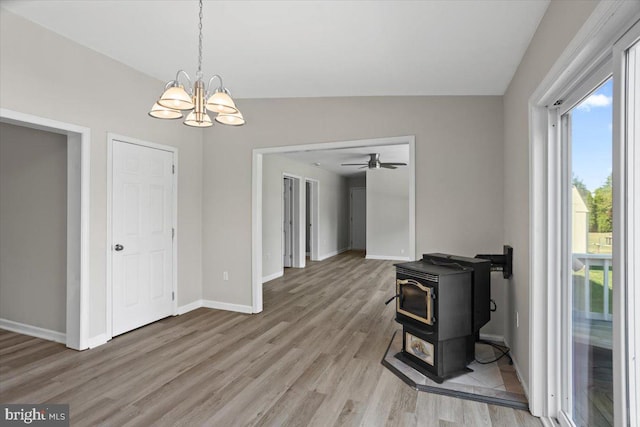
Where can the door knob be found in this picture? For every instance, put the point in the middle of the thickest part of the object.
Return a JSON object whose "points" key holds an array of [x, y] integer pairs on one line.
{"points": [[118, 247]]}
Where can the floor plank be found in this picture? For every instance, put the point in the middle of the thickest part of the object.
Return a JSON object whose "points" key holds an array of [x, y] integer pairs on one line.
{"points": [[311, 358]]}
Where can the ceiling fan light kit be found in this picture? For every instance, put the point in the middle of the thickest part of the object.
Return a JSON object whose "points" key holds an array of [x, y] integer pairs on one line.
{"points": [[375, 163], [201, 100]]}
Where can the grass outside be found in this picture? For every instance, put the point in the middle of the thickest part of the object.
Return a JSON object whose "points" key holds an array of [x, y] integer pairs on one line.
{"points": [[596, 286]]}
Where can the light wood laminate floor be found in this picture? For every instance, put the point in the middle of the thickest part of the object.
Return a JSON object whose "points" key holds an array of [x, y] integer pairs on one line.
{"points": [[311, 358]]}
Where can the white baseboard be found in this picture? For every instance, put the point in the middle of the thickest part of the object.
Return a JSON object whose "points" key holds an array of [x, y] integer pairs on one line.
{"points": [[273, 276], [215, 305], [33, 331], [525, 386], [333, 253], [189, 307], [227, 306], [98, 340], [492, 337], [388, 257]]}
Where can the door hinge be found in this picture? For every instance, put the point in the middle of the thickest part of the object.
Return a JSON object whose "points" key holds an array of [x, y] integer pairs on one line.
{"points": [[173, 296], [173, 233], [173, 169]]}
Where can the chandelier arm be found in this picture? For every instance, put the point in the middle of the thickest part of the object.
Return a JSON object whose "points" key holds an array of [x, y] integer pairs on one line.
{"points": [[215, 76], [183, 72]]}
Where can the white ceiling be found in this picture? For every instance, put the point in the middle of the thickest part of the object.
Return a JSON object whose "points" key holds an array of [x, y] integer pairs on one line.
{"points": [[273, 49], [331, 160]]}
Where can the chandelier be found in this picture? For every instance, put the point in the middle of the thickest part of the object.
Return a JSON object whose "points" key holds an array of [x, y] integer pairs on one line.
{"points": [[199, 100]]}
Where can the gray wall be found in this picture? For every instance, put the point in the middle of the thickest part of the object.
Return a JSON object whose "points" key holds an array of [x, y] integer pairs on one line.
{"points": [[358, 181], [459, 172], [558, 27], [333, 209], [388, 213], [46, 75], [33, 227]]}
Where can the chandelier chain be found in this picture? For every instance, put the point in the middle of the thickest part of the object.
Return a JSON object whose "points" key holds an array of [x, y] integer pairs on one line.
{"points": [[200, 43]]}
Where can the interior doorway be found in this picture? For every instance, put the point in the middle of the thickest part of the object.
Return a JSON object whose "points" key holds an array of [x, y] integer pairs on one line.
{"points": [[287, 222], [77, 247], [312, 215], [293, 223], [33, 214], [257, 200]]}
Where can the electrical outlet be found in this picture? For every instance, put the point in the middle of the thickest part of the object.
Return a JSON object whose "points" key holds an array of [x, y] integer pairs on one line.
{"points": [[225, 275], [517, 320]]}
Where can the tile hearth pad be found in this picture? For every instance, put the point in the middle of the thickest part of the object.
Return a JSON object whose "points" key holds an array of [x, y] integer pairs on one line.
{"points": [[495, 383]]}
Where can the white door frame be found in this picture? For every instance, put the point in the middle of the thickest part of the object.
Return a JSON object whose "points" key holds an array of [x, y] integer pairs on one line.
{"points": [[78, 208], [589, 48], [111, 137], [256, 199], [314, 195]]}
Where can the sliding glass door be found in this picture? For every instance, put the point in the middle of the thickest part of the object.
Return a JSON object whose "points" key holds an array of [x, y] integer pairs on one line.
{"points": [[599, 133], [589, 277]]}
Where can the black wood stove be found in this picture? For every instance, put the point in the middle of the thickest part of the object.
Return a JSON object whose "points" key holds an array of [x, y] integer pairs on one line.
{"points": [[442, 301]]}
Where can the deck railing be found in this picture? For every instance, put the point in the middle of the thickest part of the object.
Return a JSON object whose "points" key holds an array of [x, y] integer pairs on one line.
{"points": [[589, 261]]}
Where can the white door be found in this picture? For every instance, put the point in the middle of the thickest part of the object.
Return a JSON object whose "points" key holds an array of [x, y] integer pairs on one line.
{"points": [[287, 225], [142, 236], [358, 218]]}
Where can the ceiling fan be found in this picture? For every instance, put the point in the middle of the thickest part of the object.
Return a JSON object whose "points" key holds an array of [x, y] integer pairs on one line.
{"points": [[375, 163]]}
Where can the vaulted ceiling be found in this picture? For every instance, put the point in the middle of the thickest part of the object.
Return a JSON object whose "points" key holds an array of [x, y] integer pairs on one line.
{"points": [[273, 49], [313, 48]]}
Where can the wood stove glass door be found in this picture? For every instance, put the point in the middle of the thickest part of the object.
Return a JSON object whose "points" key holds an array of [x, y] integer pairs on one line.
{"points": [[415, 300]]}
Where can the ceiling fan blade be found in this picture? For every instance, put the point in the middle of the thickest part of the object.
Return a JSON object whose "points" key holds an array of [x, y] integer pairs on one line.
{"points": [[354, 164], [387, 166], [395, 164], [364, 167]]}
